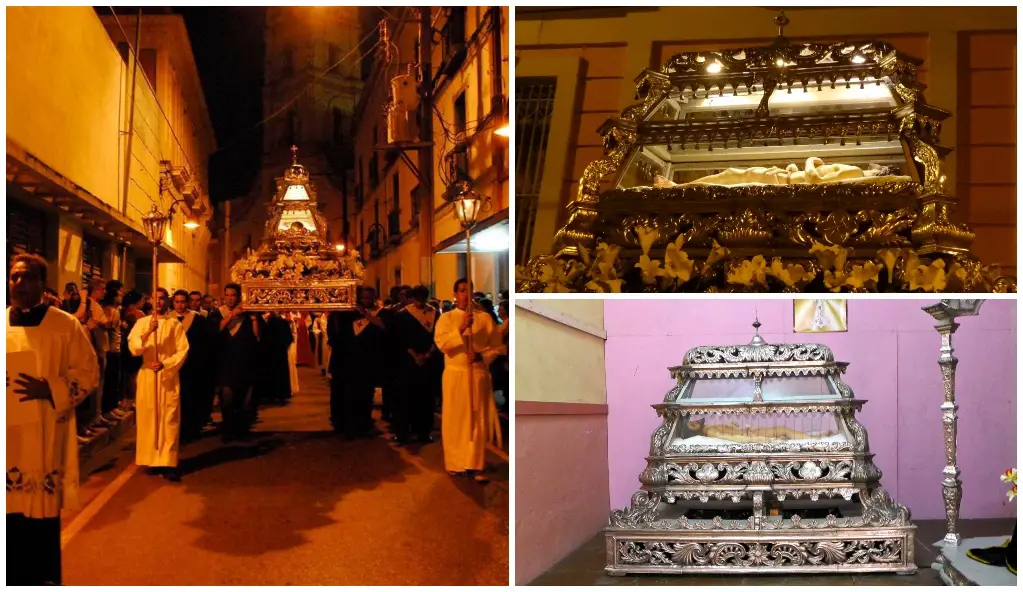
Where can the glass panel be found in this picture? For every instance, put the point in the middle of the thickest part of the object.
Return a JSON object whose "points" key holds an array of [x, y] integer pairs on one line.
{"points": [[758, 428], [296, 193], [718, 130], [291, 217], [796, 387], [723, 389]]}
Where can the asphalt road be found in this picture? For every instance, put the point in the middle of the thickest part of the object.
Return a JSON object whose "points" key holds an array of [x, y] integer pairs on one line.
{"points": [[294, 505]]}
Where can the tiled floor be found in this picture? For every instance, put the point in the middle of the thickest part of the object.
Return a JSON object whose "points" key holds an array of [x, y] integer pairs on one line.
{"points": [[585, 566]]}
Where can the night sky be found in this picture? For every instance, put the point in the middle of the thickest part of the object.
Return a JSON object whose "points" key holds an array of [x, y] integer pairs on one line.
{"points": [[228, 46]]}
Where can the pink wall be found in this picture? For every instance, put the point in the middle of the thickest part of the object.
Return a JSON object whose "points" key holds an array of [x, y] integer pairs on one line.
{"points": [[892, 349], [561, 480]]}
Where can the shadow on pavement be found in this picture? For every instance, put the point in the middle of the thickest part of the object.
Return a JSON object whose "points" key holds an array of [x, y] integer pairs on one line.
{"points": [[225, 454], [254, 502]]}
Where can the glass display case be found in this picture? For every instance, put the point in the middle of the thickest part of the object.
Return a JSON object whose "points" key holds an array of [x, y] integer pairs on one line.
{"points": [[759, 465], [775, 151], [295, 269]]}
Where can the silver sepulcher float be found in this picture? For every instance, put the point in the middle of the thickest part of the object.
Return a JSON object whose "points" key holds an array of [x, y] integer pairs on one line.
{"points": [[296, 268], [760, 466]]}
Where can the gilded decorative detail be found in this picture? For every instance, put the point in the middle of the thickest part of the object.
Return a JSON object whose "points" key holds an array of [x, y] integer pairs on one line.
{"points": [[285, 296]]}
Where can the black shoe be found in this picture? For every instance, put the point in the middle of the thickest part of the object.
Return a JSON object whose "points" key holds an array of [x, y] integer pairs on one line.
{"points": [[996, 555], [172, 474], [400, 440], [425, 439]]}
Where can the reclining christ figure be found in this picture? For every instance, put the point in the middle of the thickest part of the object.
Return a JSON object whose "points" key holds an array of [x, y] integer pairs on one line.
{"points": [[734, 433], [814, 172]]}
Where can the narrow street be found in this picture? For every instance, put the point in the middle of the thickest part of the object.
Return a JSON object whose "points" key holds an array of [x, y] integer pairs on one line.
{"points": [[293, 505]]}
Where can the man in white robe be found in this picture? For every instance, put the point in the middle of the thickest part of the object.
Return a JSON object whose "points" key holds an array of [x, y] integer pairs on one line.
{"points": [[51, 367], [161, 342], [469, 415]]}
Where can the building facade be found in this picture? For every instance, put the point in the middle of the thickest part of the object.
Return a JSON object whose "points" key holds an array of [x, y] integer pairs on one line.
{"points": [[312, 75], [398, 215], [67, 146], [575, 69]]}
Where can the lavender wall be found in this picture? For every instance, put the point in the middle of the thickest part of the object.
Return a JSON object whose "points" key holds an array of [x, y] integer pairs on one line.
{"points": [[892, 349]]}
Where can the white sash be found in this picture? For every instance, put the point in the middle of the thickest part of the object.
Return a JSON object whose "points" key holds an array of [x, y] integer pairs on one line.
{"points": [[426, 317], [360, 325], [235, 324], [187, 322]]}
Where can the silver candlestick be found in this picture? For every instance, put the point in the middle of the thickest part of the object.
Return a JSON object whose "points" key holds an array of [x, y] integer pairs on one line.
{"points": [[945, 312]]}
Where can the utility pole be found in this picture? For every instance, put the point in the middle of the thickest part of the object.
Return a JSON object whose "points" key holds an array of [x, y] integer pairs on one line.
{"points": [[131, 111], [426, 195]]}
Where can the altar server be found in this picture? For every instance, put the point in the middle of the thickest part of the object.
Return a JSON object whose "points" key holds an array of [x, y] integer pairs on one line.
{"points": [[469, 418], [161, 342], [51, 366]]}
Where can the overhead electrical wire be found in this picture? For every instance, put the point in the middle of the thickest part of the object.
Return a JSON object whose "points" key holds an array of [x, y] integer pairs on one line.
{"points": [[152, 89], [299, 95]]}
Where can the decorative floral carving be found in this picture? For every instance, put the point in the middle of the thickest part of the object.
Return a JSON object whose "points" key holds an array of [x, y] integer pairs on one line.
{"points": [[757, 554], [796, 352], [641, 512]]}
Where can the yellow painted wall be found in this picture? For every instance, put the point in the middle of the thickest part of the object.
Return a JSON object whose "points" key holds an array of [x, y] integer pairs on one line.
{"points": [[554, 361], [414, 253], [488, 163], [67, 100], [969, 69], [63, 93]]}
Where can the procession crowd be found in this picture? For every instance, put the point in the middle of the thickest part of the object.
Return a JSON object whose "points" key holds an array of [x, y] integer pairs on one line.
{"points": [[81, 362]]}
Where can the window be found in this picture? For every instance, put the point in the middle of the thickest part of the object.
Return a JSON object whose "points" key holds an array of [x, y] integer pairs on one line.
{"points": [[333, 56], [92, 259], [288, 63], [26, 233], [374, 172], [396, 182], [341, 123], [290, 136], [415, 206], [453, 38], [534, 106], [147, 61], [397, 276], [460, 113]]}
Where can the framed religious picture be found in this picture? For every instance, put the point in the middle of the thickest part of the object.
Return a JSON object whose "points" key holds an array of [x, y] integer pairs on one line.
{"points": [[825, 315]]}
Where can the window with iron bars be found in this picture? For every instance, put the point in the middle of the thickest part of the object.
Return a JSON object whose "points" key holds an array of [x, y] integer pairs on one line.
{"points": [[534, 108]]}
